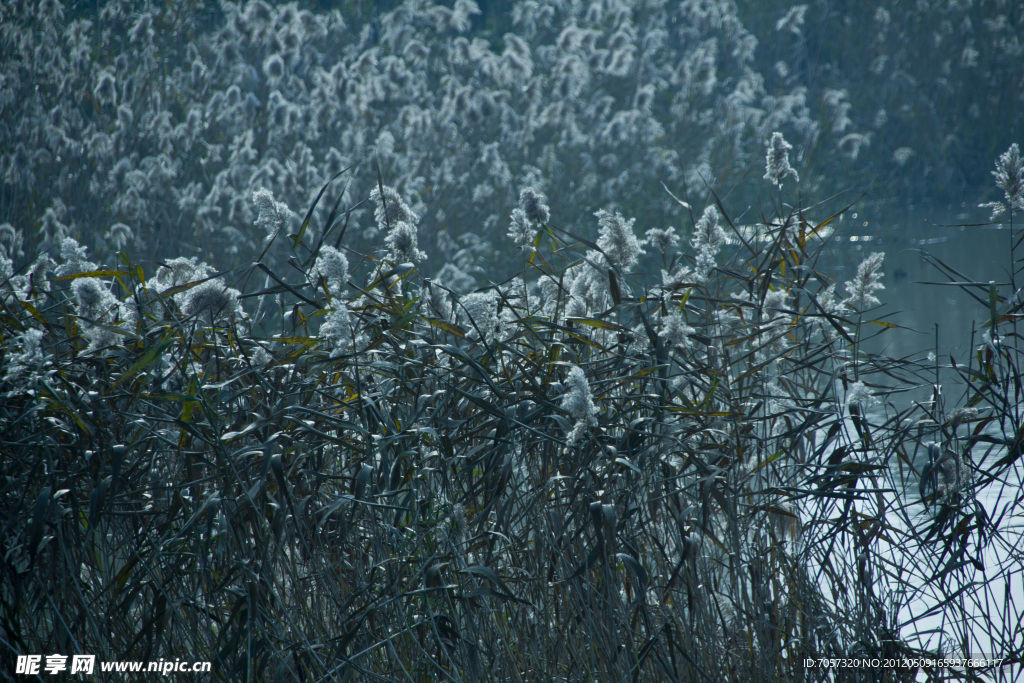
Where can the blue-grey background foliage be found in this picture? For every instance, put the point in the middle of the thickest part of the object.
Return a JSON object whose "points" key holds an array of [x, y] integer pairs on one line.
{"points": [[166, 117]]}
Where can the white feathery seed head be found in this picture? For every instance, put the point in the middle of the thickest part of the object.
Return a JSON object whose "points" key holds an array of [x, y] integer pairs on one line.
{"points": [[211, 301], [859, 395], [708, 238], [662, 239], [675, 331], [1009, 175], [481, 309], [74, 256], [579, 403], [617, 239], [332, 266], [272, 213], [777, 160], [93, 299], [403, 243], [521, 230], [866, 282], [31, 357], [534, 206], [390, 209]]}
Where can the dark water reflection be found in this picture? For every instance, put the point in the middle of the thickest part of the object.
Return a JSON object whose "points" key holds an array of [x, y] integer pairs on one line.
{"points": [[932, 318]]}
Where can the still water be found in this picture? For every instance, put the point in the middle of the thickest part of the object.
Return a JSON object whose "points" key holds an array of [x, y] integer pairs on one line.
{"points": [[946, 321], [928, 314]]}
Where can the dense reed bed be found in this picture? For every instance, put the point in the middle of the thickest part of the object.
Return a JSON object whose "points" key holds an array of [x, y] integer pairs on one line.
{"points": [[352, 471], [478, 412]]}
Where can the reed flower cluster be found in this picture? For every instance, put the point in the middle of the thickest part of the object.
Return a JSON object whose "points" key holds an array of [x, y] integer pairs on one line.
{"points": [[1009, 175], [708, 238], [865, 283], [579, 403], [528, 217], [777, 160]]}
